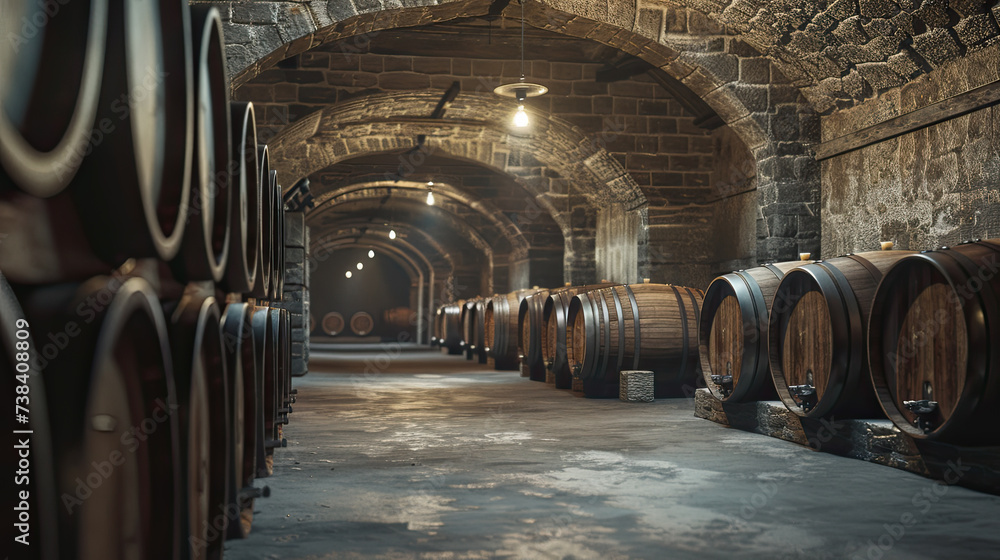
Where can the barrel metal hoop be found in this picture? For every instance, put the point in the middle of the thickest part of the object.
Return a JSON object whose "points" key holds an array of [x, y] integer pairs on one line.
{"points": [[777, 271], [684, 330], [637, 334], [875, 273], [855, 356], [621, 329], [759, 370]]}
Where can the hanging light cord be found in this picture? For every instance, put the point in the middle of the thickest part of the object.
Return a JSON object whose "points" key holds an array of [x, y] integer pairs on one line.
{"points": [[522, 40]]}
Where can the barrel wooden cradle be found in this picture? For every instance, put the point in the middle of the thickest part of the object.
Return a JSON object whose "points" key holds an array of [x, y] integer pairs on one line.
{"points": [[500, 327], [553, 344], [529, 335], [817, 331], [636, 327], [933, 345], [732, 333]]}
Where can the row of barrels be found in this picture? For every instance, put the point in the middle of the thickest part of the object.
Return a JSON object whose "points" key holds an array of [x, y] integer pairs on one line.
{"points": [[149, 420], [911, 336], [582, 337], [392, 322], [137, 156], [143, 238]]}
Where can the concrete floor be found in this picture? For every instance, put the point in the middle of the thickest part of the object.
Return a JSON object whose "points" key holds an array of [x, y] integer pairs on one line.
{"points": [[429, 456]]}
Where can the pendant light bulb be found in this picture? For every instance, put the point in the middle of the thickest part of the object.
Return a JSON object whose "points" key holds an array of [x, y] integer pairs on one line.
{"points": [[348, 274], [430, 198], [360, 266], [520, 117], [371, 254], [392, 234]]}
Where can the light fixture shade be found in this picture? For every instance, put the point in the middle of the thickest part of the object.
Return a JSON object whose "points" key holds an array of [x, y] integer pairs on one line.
{"points": [[392, 234], [348, 274], [520, 117], [371, 254], [360, 266], [430, 198]]}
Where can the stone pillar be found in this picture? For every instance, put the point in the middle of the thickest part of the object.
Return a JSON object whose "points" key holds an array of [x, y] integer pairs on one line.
{"points": [[296, 293]]}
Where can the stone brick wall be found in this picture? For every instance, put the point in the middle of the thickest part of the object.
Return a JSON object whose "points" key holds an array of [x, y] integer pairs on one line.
{"points": [[296, 293], [939, 185]]}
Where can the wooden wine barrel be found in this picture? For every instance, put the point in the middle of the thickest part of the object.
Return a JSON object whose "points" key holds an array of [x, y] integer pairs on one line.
{"points": [[554, 331], [244, 168], [17, 347], [237, 333], [501, 327], [50, 79], [362, 323], [110, 392], [529, 334], [333, 323], [817, 329], [733, 333], [474, 329], [263, 289], [635, 327], [265, 342], [201, 378], [450, 335], [933, 347], [397, 320], [132, 191], [205, 249], [279, 246]]}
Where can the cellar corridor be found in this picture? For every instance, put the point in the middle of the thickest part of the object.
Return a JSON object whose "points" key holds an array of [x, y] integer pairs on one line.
{"points": [[407, 453]]}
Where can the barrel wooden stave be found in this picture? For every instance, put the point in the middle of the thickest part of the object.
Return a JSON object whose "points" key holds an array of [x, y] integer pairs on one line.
{"points": [[817, 331], [930, 341]]}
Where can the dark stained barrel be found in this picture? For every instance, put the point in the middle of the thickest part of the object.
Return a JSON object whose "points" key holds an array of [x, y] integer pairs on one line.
{"points": [[205, 249], [529, 335], [265, 198], [333, 323], [132, 192], [244, 168], [362, 323], [635, 327], [817, 329], [397, 320], [500, 327], [49, 86], [200, 373], [17, 346], [237, 335], [933, 347], [265, 342], [554, 331], [474, 329], [733, 333], [450, 333], [112, 389]]}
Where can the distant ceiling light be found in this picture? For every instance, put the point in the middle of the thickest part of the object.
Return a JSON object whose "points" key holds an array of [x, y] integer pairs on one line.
{"points": [[371, 254], [360, 266], [392, 234], [348, 274], [430, 198]]}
